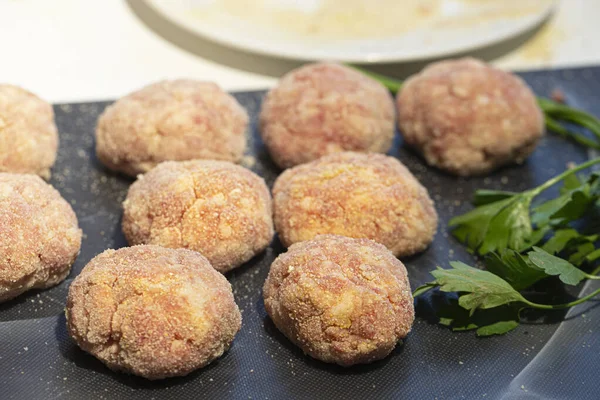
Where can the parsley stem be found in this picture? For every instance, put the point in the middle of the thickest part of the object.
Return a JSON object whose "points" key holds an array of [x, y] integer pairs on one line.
{"points": [[565, 305], [569, 114], [554, 126], [549, 183]]}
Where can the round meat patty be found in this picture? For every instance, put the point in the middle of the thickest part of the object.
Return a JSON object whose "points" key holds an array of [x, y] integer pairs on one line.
{"points": [[341, 300], [326, 108], [171, 120], [39, 235], [357, 195], [152, 311], [469, 118], [28, 135], [217, 208]]}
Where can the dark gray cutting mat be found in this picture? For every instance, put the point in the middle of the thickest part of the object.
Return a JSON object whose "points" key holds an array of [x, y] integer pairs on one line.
{"points": [[541, 359]]}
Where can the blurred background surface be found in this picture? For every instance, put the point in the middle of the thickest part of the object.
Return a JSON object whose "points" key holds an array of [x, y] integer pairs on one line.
{"points": [[69, 50]]}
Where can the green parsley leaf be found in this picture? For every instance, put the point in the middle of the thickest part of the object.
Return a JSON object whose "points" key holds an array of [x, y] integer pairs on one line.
{"points": [[498, 328], [510, 228], [536, 237], [556, 266], [571, 205], [514, 268], [560, 240], [484, 289], [570, 241], [571, 182], [448, 322], [593, 256], [494, 226], [577, 207], [581, 252], [543, 213]]}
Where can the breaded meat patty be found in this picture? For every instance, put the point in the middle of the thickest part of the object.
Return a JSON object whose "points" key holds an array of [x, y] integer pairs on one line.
{"points": [[357, 195], [28, 135], [39, 235], [152, 311], [341, 300], [469, 118], [326, 108], [171, 120], [217, 208]]}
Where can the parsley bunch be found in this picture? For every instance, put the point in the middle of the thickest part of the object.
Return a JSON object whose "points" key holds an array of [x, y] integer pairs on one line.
{"points": [[520, 244], [559, 117], [504, 220]]}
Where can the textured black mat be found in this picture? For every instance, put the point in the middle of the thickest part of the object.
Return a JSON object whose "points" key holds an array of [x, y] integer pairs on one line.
{"points": [[538, 360]]}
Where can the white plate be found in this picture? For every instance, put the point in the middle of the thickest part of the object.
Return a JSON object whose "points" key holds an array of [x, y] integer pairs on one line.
{"points": [[356, 30]]}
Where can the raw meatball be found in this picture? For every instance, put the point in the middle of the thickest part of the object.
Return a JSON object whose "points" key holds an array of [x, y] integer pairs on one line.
{"points": [[357, 195], [468, 118], [217, 208], [341, 300], [39, 235], [171, 120], [28, 135], [152, 311], [326, 108]]}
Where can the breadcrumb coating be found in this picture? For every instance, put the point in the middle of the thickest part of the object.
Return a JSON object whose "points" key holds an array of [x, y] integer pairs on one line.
{"points": [[341, 300], [28, 134], [469, 118], [39, 235], [171, 120], [152, 311], [217, 208], [357, 195], [326, 108]]}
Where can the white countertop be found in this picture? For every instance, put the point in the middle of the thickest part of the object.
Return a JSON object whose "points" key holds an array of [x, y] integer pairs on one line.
{"points": [[73, 50]]}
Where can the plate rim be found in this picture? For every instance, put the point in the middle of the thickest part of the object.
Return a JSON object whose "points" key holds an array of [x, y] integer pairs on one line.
{"points": [[196, 29]]}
